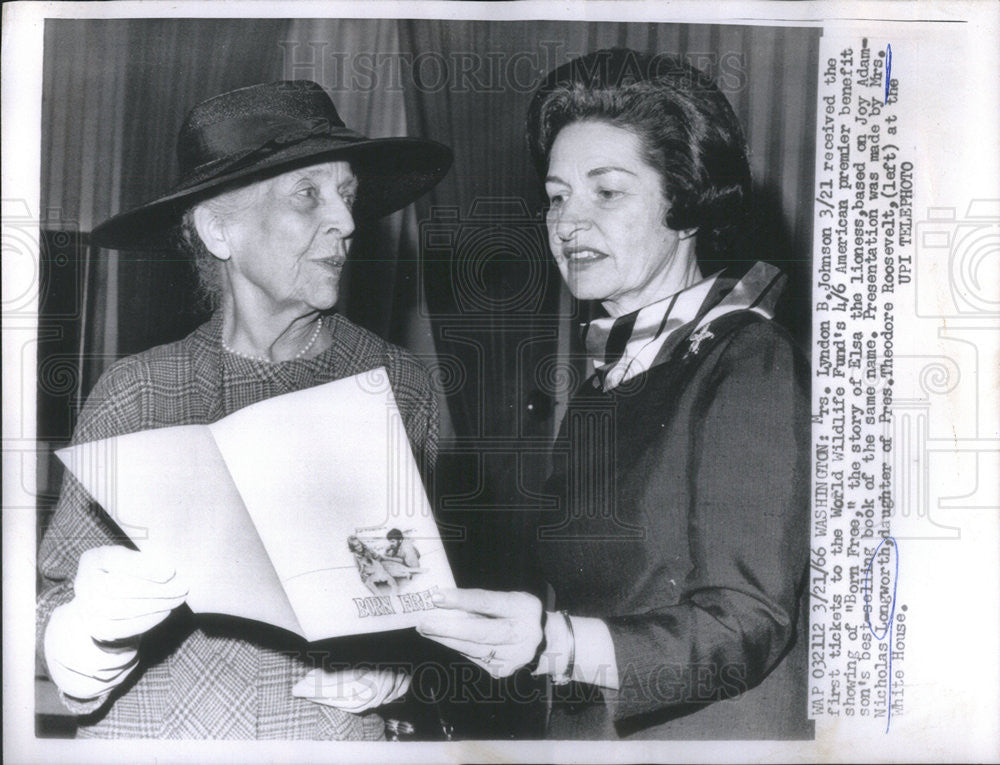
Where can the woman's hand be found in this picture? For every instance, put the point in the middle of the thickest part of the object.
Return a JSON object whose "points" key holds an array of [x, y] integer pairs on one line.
{"points": [[499, 631], [91, 642], [353, 690]]}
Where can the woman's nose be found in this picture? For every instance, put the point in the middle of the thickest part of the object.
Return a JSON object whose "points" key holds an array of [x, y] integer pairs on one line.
{"points": [[569, 221], [338, 217]]}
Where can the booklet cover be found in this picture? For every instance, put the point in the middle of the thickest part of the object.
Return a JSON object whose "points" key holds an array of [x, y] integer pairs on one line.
{"points": [[306, 511]]}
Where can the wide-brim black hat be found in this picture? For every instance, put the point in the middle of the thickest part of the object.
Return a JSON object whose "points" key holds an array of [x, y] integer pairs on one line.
{"points": [[253, 133]]}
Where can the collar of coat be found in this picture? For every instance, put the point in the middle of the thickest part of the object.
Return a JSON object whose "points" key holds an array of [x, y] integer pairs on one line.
{"points": [[205, 347], [622, 348]]}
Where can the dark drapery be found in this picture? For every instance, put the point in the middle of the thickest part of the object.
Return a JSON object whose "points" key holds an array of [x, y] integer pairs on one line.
{"points": [[496, 300], [115, 94], [116, 91], [499, 312], [482, 305]]}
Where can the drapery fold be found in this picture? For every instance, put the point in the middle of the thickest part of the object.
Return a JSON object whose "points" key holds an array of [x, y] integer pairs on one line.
{"points": [[350, 59], [83, 125], [522, 359], [116, 92], [463, 278]]}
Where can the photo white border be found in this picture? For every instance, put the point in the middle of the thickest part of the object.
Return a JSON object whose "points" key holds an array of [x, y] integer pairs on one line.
{"points": [[22, 86]]}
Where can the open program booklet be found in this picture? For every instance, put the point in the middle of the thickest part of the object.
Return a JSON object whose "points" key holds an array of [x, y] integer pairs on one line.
{"points": [[305, 511]]}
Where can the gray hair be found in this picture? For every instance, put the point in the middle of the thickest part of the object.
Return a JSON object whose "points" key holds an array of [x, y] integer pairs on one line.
{"points": [[208, 268]]}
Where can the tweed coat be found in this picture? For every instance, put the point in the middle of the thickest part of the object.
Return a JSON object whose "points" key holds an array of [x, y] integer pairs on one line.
{"points": [[215, 677], [686, 529]]}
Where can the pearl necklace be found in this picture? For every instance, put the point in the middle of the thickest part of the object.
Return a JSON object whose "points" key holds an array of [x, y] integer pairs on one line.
{"points": [[299, 355]]}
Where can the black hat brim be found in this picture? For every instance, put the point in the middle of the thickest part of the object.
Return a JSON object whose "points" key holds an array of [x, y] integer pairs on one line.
{"points": [[392, 173]]}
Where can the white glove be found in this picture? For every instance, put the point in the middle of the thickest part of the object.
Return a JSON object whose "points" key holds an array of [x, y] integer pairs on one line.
{"points": [[91, 643], [353, 690]]}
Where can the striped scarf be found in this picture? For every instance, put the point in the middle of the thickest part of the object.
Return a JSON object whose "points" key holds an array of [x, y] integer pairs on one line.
{"points": [[624, 347]]}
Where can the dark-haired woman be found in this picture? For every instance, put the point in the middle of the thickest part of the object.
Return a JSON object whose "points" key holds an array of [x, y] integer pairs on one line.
{"points": [[678, 557]]}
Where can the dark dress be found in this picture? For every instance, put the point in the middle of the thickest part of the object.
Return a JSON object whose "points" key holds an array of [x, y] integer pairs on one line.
{"points": [[685, 527]]}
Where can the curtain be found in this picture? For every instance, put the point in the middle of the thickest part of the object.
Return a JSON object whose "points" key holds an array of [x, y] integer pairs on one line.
{"points": [[172, 65], [116, 93], [468, 85], [483, 305], [463, 278], [83, 119], [491, 288], [497, 303], [380, 287]]}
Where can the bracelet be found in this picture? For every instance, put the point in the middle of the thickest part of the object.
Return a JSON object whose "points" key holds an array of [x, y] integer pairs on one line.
{"points": [[567, 674], [532, 666]]}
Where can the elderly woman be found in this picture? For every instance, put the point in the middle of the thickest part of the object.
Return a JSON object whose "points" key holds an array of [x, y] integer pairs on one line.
{"points": [[678, 558], [271, 184]]}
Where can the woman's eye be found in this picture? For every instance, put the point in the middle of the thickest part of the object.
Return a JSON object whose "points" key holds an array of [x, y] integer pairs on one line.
{"points": [[609, 195], [309, 192], [556, 199]]}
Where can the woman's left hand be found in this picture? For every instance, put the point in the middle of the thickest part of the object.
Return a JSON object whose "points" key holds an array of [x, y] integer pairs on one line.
{"points": [[353, 690], [499, 631]]}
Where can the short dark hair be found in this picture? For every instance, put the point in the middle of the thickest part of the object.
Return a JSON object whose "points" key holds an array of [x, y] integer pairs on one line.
{"points": [[688, 129]]}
